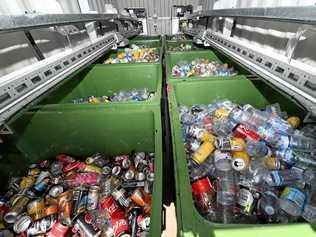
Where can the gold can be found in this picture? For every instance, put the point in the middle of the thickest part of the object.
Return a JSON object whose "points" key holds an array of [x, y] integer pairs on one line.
{"points": [[92, 168], [202, 153], [221, 113], [34, 171], [237, 144], [208, 137], [241, 160], [27, 182], [294, 121], [35, 209]]}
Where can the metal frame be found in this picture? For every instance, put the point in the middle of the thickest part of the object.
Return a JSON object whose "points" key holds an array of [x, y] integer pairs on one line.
{"points": [[303, 15], [11, 23], [20, 88], [294, 77], [295, 80]]}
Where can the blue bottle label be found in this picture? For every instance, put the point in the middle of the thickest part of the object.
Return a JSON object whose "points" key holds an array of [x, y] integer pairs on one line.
{"points": [[294, 195]]}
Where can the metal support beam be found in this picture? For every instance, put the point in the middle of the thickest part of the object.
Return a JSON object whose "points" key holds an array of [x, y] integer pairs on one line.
{"points": [[302, 15], [295, 78], [34, 46], [19, 88], [11, 23]]}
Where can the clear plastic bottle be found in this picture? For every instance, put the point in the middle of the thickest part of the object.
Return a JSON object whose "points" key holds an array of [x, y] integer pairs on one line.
{"points": [[268, 205], [205, 169], [299, 159], [278, 178], [226, 196], [309, 212], [258, 149], [292, 202], [257, 118], [222, 161], [302, 143]]}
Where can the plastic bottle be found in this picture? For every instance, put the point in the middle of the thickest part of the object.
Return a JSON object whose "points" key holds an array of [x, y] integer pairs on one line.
{"points": [[230, 144], [226, 196], [309, 212], [302, 143], [258, 149], [257, 118], [278, 178], [268, 206], [222, 160], [204, 195], [299, 159], [292, 202], [205, 169]]}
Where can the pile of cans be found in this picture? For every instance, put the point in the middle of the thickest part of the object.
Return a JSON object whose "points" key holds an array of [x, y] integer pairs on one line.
{"points": [[182, 47], [135, 54], [248, 165], [132, 95], [101, 196], [202, 67]]}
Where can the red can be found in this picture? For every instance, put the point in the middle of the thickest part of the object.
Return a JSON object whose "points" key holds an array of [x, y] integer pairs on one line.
{"points": [[65, 158], [58, 230], [110, 205], [244, 132], [120, 226]]}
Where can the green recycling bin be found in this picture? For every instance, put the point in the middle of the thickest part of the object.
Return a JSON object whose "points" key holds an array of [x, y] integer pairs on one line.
{"points": [[172, 58], [255, 92], [42, 134], [100, 80]]}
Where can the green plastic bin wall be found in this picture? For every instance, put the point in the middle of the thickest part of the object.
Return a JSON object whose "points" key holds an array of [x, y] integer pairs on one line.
{"points": [[257, 93], [146, 37], [172, 58], [43, 134], [99, 80], [173, 44]]}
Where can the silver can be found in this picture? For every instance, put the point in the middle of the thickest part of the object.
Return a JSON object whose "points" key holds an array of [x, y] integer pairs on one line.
{"points": [[93, 197]]}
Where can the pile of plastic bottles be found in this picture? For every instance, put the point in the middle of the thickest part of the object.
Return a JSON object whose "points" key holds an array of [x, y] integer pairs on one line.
{"points": [[133, 95], [202, 68], [179, 37], [182, 47], [248, 165], [101, 196], [135, 54]]}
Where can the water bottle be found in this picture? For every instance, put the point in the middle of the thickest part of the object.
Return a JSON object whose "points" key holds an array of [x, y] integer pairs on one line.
{"points": [[269, 135], [222, 161], [268, 206], [309, 212], [226, 196], [281, 126], [302, 143], [257, 118], [223, 127], [278, 178], [205, 169], [258, 149], [299, 159], [292, 202], [257, 172]]}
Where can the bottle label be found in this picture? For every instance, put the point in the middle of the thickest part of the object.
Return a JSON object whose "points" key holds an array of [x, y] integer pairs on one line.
{"points": [[283, 142], [294, 195], [277, 179], [245, 200]]}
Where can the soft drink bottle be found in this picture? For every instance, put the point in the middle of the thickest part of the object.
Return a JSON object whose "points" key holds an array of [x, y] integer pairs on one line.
{"points": [[258, 149], [278, 178], [204, 195], [226, 196]]}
